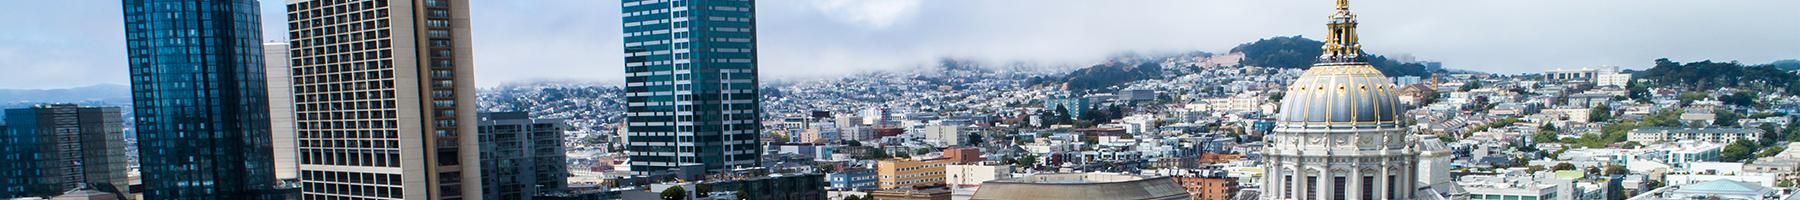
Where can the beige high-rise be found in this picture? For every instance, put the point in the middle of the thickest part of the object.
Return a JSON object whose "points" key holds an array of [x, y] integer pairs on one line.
{"points": [[385, 99], [281, 110]]}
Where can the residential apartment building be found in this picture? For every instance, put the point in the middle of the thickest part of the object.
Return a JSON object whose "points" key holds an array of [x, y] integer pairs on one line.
{"points": [[1713, 135], [972, 175], [852, 179], [384, 99], [898, 173]]}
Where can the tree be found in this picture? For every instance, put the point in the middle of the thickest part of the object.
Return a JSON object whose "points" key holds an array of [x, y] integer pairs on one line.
{"points": [[1616, 170], [1740, 98], [1028, 161], [674, 193], [1726, 118], [1771, 151], [976, 139], [748, 195], [1738, 151], [1689, 97], [1546, 134], [1770, 135], [702, 190], [1563, 166], [1638, 91], [1472, 85], [1062, 114], [1600, 113], [1632, 145], [594, 139], [880, 154], [1785, 183]]}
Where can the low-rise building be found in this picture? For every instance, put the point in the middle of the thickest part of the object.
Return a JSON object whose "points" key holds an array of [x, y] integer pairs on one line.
{"points": [[852, 179], [1518, 184], [964, 155], [1717, 189], [898, 173], [1714, 135], [968, 176], [1208, 187]]}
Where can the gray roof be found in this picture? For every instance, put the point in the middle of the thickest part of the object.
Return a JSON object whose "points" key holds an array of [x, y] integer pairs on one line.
{"points": [[1081, 186]]}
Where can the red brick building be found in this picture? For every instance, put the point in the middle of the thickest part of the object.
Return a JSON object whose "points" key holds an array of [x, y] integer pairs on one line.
{"points": [[964, 155], [1208, 188]]}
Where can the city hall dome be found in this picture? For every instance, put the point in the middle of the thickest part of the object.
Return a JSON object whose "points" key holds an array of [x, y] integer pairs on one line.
{"points": [[1333, 95]]}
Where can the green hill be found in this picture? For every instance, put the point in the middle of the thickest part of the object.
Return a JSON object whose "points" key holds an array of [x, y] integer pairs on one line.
{"points": [[1299, 52]]}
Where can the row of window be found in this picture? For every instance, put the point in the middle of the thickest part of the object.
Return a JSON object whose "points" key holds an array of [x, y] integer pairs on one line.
{"points": [[339, 52], [339, 143], [366, 158]]}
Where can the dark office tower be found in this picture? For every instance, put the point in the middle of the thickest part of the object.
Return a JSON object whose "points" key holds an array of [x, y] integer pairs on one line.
{"points": [[384, 98], [198, 92], [521, 157], [691, 89], [49, 149]]}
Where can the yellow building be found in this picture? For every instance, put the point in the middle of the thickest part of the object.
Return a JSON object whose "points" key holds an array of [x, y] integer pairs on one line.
{"points": [[898, 173]]}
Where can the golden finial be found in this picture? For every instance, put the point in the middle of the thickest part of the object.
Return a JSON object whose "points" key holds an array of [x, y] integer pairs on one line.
{"points": [[1343, 4]]}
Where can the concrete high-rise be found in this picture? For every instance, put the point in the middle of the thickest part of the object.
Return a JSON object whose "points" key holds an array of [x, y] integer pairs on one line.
{"points": [[522, 157], [281, 110], [199, 97], [384, 99], [692, 105], [49, 149]]}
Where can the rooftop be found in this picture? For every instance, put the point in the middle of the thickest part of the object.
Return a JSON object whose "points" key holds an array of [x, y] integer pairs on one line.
{"points": [[1081, 186]]}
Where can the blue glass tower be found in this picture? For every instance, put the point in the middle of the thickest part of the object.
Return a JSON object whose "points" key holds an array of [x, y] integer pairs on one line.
{"points": [[46, 150], [691, 89], [200, 99]]}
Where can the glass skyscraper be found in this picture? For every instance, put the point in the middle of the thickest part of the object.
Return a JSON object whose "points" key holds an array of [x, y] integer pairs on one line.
{"points": [[691, 89], [522, 157], [199, 96], [48, 149]]}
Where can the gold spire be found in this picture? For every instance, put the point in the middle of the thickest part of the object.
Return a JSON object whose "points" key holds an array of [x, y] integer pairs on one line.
{"points": [[1341, 45]]}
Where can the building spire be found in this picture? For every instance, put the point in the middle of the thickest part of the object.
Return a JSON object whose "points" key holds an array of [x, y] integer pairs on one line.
{"points": [[1341, 45]]}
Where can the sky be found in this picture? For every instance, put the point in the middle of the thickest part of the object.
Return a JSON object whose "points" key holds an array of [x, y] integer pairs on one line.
{"points": [[59, 44]]}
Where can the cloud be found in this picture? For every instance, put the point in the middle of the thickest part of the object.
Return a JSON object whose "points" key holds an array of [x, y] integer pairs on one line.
{"points": [[65, 44], [873, 14]]}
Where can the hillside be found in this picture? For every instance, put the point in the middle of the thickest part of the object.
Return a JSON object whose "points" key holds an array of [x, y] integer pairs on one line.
{"points": [[1299, 52], [1110, 74], [585, 106], [105, 94], [1709, 75]]}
